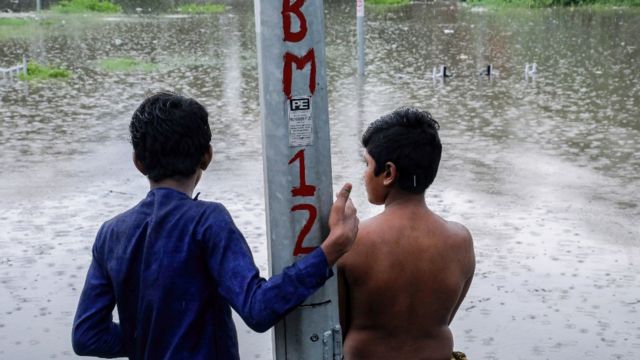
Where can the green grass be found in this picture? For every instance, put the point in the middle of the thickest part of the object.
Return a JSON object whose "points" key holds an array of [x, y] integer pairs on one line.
{"points": [[13, 22], [554, 3], [16, 28], [201, 8], [387, 2], [83, 6], [37, 71], [51, 23], [126, 65], [18, 22]]}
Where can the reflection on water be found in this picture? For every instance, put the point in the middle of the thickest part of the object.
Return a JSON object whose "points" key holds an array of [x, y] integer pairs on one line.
{"points": [[543, 170]]}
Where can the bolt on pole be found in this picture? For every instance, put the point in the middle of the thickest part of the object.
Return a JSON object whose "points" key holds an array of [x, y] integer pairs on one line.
{"points": [[297, 163]]}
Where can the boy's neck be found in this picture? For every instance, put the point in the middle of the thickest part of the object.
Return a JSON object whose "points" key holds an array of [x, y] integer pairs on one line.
{"points": [[398, 198], [185, 185]]}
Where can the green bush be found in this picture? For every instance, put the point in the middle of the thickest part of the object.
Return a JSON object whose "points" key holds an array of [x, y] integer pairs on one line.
{"points": [[201, 8], [37, 71], [80, 6]]}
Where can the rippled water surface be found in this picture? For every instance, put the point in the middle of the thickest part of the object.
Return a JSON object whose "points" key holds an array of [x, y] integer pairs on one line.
{"points": [[544, 170]]}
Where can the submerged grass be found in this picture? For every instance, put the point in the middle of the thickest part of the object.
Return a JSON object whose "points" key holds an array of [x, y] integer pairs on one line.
{"points": [[83, 6], [555, 3], [51, 23], [201, 8], [126, 65], [16, 30], [4, 22], [387, 2], [37, 71]]}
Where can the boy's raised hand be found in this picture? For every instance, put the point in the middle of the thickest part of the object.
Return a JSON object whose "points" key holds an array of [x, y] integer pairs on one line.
{"points": [[343, 225]]}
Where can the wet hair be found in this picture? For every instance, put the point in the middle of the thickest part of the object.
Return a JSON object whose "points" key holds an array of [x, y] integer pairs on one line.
{"points": [[409, 139], [170, 134]]}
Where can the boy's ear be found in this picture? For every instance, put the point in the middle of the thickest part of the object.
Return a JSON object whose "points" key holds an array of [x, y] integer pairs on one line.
{"points": [[390, 174], [206, 158], [139, 165]]}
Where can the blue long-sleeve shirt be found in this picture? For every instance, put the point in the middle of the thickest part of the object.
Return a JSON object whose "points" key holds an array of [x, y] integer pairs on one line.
{"points": [[175, 266]]}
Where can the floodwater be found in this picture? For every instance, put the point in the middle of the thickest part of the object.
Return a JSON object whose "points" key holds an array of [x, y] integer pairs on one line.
{"points": [[543, 170]]}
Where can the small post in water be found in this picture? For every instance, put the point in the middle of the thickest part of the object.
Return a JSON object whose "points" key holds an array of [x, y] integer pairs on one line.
{"points": [[360, 34]]}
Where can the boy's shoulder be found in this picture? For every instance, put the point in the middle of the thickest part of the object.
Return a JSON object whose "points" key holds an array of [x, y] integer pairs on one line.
{"points": [[370, 227], [368, 231], [144, 210], [377, 224]]}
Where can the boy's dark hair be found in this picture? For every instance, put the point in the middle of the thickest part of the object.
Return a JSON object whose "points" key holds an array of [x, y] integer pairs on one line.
{"points": [[409, 139], [170, 134]]}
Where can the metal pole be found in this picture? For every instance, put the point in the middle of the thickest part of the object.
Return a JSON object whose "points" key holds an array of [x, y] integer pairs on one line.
{"points": [[38, 5], [360, 35], [25, 65], [297, 163]]}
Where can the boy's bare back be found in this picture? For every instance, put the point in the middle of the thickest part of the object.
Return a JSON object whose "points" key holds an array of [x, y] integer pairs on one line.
{"points": [[407, 274], [409, 269]]}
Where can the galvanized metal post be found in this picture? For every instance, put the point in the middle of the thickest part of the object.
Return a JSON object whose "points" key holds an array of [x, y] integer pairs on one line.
{"points": [[38, 5], [297, 162], [25, 65], [360, 35]]}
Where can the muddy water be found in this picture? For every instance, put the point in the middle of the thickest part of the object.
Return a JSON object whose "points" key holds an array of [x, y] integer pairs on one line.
{"points": [[543, 170]]}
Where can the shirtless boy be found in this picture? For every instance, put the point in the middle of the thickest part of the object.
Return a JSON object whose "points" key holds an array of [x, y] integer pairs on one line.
{"points": [[409, 269]]}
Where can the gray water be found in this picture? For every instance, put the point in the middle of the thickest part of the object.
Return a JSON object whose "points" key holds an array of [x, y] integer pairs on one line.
{"points": [[544, 171]]}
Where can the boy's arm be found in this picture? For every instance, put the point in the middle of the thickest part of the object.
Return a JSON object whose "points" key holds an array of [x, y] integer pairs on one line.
{"points": [[344, 301], [261, 303], [465, 289], [470, 260], [94, 332]]}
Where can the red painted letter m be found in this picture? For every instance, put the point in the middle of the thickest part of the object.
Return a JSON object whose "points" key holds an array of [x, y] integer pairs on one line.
{"points": [[301, 62]]}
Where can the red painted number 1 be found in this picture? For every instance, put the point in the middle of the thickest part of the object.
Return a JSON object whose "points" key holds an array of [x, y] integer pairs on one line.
{"points": [[303, 190]]}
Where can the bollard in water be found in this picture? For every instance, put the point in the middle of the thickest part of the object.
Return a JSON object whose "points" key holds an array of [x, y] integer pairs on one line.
{"points": [[530, 70], [442, 74], [360, 34]]}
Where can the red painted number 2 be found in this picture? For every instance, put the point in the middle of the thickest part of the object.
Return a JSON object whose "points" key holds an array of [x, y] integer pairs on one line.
{"points": [[303, 190], [313, 213]]}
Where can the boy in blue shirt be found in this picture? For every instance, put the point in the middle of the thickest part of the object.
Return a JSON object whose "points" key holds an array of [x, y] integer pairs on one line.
{"points": [[175, 265]]}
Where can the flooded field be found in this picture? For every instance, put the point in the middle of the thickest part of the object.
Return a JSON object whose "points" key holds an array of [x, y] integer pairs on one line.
{"points": [[543, 170]]}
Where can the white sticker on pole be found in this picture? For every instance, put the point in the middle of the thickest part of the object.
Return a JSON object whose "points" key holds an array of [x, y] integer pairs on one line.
{"points": [[359, 7], [300, 121]]}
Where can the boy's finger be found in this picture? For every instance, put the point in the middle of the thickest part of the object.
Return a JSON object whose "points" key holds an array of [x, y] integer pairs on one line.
{"points": [[343, 194], [350, 208], [339, 207]]}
